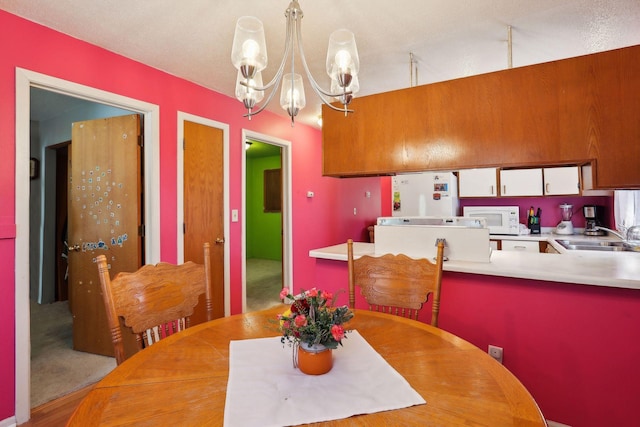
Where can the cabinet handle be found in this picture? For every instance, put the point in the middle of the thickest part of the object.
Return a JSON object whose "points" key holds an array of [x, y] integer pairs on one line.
{"points": [[546, 187], [491, 189], [504, 189]]}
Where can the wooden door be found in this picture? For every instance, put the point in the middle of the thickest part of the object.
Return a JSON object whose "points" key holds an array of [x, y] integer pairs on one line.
{"points": [[104, 218], [204, 206]]}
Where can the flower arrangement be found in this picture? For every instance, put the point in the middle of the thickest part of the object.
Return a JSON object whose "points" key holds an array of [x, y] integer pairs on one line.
{"points": [[312, 319]]}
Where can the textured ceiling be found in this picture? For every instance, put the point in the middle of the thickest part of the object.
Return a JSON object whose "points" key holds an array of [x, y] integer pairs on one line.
{"points": [[449, 38]]}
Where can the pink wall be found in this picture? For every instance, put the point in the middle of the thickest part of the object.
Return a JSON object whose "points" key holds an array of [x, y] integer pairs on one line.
{"points": [[324, 220], [39, 49], [574, 347], [353, 195]]}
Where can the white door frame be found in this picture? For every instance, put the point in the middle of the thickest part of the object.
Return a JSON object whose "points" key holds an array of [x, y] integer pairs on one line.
{"points": [[25, 79], [287, 221], [182, 117]]}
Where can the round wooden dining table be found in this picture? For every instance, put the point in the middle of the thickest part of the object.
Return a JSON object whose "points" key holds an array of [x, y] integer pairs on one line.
{"points": [[182, 380]]}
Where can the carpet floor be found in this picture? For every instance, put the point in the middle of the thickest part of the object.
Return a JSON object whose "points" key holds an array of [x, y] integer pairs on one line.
{"points": [[264, 282], [57, 369]]}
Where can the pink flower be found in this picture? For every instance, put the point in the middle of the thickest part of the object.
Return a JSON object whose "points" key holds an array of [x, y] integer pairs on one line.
{"points": [[286, 325], [300, 320], [337, 331], [284, 292], [327, 296], [313, 292]]}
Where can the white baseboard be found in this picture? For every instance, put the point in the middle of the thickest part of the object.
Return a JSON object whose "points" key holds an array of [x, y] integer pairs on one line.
{"points": [[556, 424], [9, 422]]}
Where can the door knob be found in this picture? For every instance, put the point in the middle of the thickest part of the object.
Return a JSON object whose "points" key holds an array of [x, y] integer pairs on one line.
{"points": [[219, 240]]}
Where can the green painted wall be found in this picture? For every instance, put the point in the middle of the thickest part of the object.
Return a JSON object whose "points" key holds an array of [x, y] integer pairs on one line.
{"points": [[264, 230]]}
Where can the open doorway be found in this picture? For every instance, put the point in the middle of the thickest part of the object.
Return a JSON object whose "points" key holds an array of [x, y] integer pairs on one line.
{"points": [[267, 220], [57, 327], [25, 257], [263, 219]]}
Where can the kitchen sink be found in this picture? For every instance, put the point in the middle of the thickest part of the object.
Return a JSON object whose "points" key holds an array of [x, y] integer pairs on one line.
{"points": [[593, 245]]}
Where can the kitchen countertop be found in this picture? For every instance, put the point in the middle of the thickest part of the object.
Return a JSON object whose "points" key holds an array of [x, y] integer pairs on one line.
{"points": [[547, 235], [610, 269]]}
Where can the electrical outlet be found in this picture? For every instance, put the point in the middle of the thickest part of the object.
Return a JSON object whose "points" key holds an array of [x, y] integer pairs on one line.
{"points": [[495, 352]]}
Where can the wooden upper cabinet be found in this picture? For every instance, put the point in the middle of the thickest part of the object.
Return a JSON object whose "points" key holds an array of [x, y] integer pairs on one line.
{"points": [[572, 111]]}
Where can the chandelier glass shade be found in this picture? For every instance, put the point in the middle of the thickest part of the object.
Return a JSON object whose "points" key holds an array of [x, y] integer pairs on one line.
{"points": [[249, 57], [247, 93]]}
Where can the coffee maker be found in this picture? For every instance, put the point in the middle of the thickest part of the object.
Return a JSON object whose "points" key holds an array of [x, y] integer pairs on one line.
{"points": [[594, 217]]}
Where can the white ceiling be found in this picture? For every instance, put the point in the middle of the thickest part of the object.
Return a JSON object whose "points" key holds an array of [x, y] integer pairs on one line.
{"points": [[449, 38]]}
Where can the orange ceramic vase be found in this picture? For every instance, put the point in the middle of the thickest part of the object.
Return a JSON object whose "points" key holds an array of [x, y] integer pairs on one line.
{"points": [[314, 361]]}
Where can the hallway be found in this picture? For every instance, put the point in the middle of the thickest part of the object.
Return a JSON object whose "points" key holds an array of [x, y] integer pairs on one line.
{"points": [[264, 282]]}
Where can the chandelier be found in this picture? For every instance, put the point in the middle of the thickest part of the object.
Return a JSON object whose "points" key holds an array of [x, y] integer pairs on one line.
{"points": [[249, 56]]}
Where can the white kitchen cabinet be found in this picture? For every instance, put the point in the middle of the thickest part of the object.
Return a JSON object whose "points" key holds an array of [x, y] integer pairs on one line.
{"points": [[561, 180], [521, 182], [481, 182], [520, 245]]}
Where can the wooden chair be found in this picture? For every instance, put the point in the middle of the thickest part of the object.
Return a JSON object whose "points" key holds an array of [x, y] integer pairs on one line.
{"points": [[372, 233], [155, 301], [396, 284]]}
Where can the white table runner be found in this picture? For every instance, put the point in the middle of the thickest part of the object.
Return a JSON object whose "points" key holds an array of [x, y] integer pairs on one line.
{"points": [[265, 390]]}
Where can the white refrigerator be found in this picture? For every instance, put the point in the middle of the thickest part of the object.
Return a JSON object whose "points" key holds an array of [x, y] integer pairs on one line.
{"points": [[425, 194]]}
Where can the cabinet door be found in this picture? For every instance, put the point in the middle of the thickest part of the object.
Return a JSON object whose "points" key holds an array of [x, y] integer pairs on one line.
{"points": [[562, 180], [520, 245], [521, 182], [478, 182]]}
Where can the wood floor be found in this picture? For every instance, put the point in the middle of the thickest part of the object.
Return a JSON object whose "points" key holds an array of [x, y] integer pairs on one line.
{"points": [[57, 412]]}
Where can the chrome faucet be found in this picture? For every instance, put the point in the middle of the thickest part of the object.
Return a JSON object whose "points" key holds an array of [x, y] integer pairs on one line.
{"points": [[611, 231]]}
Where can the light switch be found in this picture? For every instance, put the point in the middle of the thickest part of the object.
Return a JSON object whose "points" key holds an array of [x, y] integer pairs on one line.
{"points": [[234, 215]]}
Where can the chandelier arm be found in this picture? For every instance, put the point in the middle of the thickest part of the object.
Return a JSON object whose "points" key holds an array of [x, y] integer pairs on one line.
{"points": [[296, 18], [322, 94], [341, 109], [268, 100], [278, 76]]}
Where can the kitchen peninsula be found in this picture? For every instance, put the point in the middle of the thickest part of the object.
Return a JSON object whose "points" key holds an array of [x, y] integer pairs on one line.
{"points": [[619, 269], [568, 323]]}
